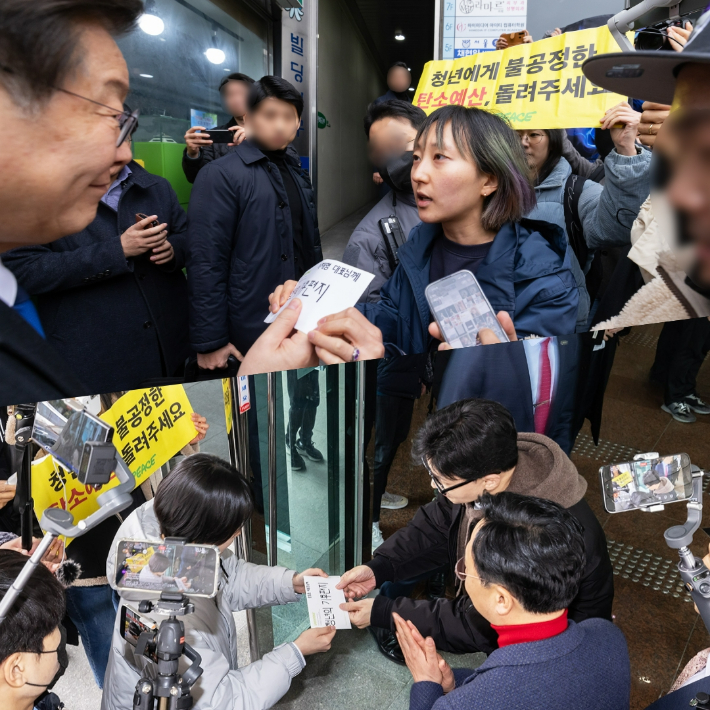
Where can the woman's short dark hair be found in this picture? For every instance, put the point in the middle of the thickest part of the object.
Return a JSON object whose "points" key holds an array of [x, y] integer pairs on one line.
{"points": [[277, 88], [532, 547], [36, 612], [489, 141], [40, 43], [394, 108], [204, 499], [469, 439], [556, 138], [235, 76]]}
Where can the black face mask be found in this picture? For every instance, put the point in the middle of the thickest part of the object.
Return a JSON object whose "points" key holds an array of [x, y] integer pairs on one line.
{"points": [[397, 172], [62, 658]]}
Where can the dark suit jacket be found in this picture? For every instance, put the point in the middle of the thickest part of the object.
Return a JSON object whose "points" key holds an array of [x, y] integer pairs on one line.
{"points": [[30, 369], [118, 321], [500, 373]]}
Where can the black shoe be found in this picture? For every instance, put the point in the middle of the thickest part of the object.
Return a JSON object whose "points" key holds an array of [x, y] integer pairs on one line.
{"points": [[436, 587], [297, 462], [387, 643], [307, 449]]}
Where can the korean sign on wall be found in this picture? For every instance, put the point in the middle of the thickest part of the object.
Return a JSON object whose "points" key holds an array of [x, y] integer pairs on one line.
{"points": [[150, 427], [538, 85], [294, 68], [473, 26]]}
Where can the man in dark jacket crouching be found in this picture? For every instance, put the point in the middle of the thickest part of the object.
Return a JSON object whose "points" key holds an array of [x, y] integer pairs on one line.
{"points": [[470, 448], [522, 569], [112, 299]]}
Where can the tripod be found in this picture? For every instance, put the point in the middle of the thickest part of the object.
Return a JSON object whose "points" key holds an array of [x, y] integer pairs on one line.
{"points": [[166, 646]]}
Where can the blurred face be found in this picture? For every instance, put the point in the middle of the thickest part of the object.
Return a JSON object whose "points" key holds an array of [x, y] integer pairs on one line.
{"points": [[536, 146], [234, 96], [399, 79], [273, 124], [689, 190], [60, 156], [389, 137], [447, 185], [20, 669]]}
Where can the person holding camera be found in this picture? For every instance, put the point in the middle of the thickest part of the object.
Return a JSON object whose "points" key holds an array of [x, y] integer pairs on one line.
{"points": [[207, 501], [112, 298], [199, 148]]}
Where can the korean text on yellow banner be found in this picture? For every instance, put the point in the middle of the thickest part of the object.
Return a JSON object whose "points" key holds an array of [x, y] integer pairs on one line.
{"points": [[538, 85], [150, 427], [227, 397]]}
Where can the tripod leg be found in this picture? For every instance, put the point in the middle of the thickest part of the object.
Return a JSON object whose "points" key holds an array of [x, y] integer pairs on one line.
{"points": [[143, 697]]}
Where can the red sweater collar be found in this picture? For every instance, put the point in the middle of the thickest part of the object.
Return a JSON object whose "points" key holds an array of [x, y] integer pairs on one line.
{"points": [[525, 633]]}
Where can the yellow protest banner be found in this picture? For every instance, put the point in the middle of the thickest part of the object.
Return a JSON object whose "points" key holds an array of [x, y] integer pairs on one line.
{"points": [[538, 85], [150, 427]]}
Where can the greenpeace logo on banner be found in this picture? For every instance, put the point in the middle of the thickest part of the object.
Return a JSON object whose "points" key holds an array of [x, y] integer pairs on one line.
{"points": [[538, 85]]}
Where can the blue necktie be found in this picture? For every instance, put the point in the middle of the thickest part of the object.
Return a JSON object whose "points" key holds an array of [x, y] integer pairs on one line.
{"points": [[25, 307]]}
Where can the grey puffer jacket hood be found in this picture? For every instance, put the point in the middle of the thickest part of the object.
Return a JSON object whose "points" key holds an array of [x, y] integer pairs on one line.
{"points": [[211, 631]]}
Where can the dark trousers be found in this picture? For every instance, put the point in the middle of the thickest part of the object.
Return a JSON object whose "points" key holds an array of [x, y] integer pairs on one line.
{"points": [[682, 347], [392, 420], [304, 396]]}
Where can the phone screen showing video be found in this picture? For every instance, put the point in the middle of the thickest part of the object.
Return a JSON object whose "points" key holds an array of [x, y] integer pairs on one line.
{"points": [[80, 428], [461, 309], [167, 567], [643, 483]]}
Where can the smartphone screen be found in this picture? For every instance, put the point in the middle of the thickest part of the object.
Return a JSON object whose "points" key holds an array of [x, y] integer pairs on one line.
{"points": [[150, 566], [68, 448], [640, 484], [461, 309], [133, 625]]}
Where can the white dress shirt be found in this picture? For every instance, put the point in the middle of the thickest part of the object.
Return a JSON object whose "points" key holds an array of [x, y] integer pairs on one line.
{"points": [[8, 286]]}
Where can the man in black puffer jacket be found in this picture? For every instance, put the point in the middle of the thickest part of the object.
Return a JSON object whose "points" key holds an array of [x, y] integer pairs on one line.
{"points": [[112, 299]]}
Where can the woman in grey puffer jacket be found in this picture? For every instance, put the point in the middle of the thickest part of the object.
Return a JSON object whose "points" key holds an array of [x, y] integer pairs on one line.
{"points": [[206, 501], [605, 212]]}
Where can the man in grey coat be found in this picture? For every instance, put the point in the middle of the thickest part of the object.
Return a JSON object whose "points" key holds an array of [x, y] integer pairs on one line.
{"points": [[391, 127]]}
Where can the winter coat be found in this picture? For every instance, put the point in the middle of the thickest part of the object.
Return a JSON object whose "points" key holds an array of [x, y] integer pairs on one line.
{"points": [[366, 247], [240, 245], [585, 666], [433, 536], [118, 321], [208, 153], [666, 297], [211, 631], [526, 272], [626, 186]]}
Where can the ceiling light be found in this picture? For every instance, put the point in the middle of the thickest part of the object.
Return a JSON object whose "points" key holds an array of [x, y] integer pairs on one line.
{"points": [[399, 36], [227, 70], [411, 88], [409, 68], [146, 76], [151, 24], [214, 55]]}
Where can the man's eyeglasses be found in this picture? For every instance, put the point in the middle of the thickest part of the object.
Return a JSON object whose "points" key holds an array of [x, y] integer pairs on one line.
{"points": [[127, 120], [533, 138], [460, 570], [438, 485]]}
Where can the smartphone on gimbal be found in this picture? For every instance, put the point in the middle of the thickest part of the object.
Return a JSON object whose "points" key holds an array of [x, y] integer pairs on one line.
{"points": [[644, 483], [133, 624]]}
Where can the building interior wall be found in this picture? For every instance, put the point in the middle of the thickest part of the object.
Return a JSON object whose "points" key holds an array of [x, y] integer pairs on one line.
{"points": [[348, 80]]}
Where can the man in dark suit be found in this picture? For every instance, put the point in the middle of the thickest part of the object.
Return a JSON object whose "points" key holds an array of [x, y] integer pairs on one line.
{"points": [[66, 126], [536, 380]]}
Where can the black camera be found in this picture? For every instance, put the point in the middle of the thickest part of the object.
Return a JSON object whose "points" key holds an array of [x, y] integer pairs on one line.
{"points": [[655, 37]]}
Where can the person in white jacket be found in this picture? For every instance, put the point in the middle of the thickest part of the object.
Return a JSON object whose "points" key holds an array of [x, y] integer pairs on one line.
{"points": [[206, 501]]}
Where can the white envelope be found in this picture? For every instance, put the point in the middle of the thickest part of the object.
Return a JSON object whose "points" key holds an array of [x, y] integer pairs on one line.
{"points": [[324, 602], [329, 287]]}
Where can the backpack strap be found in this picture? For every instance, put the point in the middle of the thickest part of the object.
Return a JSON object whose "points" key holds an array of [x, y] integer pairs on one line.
{"points": [[575, 232]]}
